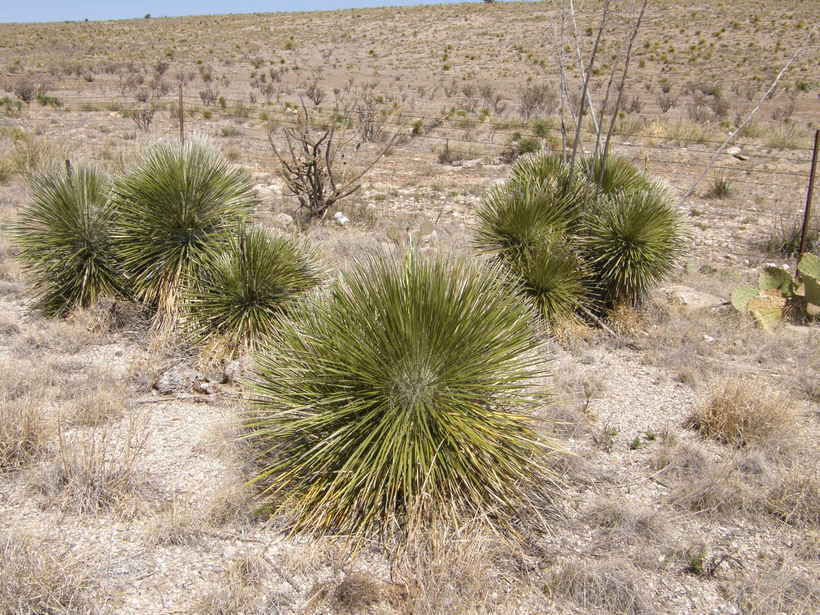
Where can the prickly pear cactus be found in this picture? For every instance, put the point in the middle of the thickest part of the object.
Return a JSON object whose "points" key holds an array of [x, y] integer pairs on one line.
{"points": [[775, 278], [809, 269]]}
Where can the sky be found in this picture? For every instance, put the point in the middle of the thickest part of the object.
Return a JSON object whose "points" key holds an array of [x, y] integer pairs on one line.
{"points": [[77, 10]]}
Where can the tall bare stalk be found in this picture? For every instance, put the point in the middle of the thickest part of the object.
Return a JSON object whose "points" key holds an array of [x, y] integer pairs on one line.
{"points": [[581, 104]]}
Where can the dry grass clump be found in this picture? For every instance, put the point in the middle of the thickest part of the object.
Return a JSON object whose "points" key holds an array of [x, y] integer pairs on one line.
{"points": [[719, 489], [740, 413], [612, 585], [37, 578], [240, 591], [795, 498], [620, 522], [446, 570], [24, 433], [679, 460], [357, 592], [102, 398], [784, 590], [95, 471], [178, 524]]}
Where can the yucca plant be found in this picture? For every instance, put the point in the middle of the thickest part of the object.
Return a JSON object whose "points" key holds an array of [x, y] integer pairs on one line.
{"points": [[613, 174], [632, 240], [63, 237], [520, 213], [179, 204], [241, 291], [554, 277], [402, 391]]}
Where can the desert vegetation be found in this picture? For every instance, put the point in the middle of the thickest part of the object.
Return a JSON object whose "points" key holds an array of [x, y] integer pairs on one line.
{"points": [[480, 308]]}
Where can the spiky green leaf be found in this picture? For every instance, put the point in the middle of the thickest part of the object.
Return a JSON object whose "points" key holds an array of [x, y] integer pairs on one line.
{"points": [[64, 240], [404, 388]]}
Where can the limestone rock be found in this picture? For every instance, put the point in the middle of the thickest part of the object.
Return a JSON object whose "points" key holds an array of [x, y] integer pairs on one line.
{"points": [[179, 378], [691, 299]]}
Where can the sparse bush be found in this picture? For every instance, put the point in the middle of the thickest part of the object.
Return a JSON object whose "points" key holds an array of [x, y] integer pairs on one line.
{"points": [[178, 205], [742, 413], [400, 392], [64, 240], [784, 238], [241, 291], [536, 99]]}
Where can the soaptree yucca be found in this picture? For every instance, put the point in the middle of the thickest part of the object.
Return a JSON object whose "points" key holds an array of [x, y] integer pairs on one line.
{"points": [[241, 290], [63, 237], [402, 391], [179, 204], [613, 174], [554, 277], [526, 224], [632, 240]]}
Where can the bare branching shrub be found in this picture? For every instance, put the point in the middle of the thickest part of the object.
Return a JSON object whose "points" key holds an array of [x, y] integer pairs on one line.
{"points": [[314, 164], [143, 117], [537, 99], [613, 585], [96, 471], [208, 96], [315, 93], [743, 412], [43, 577], [666, 101]]}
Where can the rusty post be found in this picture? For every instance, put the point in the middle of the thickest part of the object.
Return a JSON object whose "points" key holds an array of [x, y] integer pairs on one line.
{"points": [[181, 112], [807, 212]]}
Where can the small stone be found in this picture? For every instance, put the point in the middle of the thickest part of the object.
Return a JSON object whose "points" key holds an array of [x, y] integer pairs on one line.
{"points": [[733, 150], [178, 379], [340, 218], [235, 369], [204, 387]]}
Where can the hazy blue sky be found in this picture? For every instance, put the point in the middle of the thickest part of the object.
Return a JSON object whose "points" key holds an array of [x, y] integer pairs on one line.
{"points": [[61, 10]]}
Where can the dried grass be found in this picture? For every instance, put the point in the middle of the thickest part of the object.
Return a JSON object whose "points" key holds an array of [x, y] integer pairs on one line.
{"points": [[24, 433], [38, 577], [95, 471], [746, 412], [784, 590], [613, 585]]}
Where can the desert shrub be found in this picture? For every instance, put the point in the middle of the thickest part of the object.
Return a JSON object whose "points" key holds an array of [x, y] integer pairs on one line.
{"points": [[784, 238], [400, 391], [741, 413], [178, 205], [611, 585], [519, 147], [241, 291], [64, 241], [632, 240]]}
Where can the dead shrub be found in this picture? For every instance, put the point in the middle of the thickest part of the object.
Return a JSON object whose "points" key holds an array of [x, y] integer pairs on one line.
{"points": [[612, 585], [679, 460], [42, 577], [357, 592], [739, 413]]}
